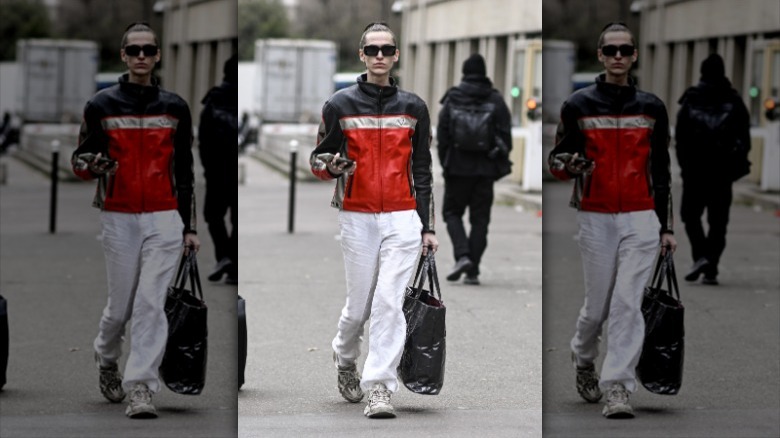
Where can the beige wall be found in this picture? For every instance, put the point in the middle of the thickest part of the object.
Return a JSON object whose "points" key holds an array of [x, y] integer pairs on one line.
{"points": [[199, 36], [438, 35]]}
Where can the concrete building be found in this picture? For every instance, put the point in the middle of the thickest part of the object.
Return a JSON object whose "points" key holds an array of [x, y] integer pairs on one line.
{"points": [[438, 35], [677, 35], [198, 37]]}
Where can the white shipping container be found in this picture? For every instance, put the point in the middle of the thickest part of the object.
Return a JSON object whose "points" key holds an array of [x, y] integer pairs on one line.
{"points": [[558, 59], [57, 77], [246, 84], [294, 79], [9, 84]]}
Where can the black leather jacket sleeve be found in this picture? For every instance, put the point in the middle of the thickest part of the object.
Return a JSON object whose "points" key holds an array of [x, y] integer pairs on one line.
{"points": [[660, 169], [184, 173], [422, 170]]}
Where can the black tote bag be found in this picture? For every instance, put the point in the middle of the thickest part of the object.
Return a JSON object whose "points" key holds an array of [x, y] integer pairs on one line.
{"points": [[242, 341], [183, 367], [660, 366], [4, 340], [422, 363]]}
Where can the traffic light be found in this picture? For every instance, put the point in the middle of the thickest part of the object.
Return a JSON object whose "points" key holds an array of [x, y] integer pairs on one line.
{"points": [[534, 108], [772, 107]]}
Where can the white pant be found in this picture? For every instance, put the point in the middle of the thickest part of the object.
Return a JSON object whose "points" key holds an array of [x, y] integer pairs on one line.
{"points": [[141, 253], [617, 252], [380, 251]]}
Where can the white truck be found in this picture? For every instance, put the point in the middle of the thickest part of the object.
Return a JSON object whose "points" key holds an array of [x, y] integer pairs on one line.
{"points": [[558, 59], [293, 79], [56, 78]]}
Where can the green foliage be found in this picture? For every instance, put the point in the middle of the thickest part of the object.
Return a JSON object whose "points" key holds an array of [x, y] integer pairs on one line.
{"points": [[259, 19], [21, 19]]}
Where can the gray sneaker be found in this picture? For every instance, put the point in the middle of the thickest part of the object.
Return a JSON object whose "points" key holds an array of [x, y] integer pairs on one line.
{"points": [[617, 403], [349, 382], [140, 405], [379, 403], [587, 381], [110, 381]]}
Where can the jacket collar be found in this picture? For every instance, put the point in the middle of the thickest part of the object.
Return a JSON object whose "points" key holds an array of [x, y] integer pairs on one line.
{"points": [[139, 91], [373, 90], [618, 92]]}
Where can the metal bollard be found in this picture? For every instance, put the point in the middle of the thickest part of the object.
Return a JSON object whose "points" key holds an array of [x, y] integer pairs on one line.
{"points": [[291, 209], [55, 158]]}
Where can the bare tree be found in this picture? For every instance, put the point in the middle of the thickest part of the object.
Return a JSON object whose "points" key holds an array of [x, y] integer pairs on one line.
{"points": [[581, 22], [343, 21]]}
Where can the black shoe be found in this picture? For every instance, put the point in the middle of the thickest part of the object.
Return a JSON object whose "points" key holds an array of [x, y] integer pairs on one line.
{"points": [[698, 268], [710, 279], [461, 266], [472, 280], [220, 270]]}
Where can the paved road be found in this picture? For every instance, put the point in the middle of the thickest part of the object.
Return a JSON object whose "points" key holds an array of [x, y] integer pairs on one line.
{"points": [[731, 384], [294, 287], [55, 286]]}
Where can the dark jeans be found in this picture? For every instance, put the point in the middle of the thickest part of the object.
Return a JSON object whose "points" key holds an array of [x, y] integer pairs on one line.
{"points": [[715, 197], [476, 194], [219, 199]]}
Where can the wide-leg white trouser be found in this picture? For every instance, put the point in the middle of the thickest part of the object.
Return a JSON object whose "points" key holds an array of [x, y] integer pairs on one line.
{"points": [[617, 252], [380, 250], [141, 253]]}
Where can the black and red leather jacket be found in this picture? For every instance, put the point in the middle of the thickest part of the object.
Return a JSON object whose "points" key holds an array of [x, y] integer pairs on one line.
{"points": [[387, 131], [626, 132], [149, 132]]}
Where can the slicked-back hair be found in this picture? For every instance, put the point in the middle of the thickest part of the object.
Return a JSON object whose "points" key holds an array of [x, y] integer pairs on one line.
{"points": [[615, 27], [376, 27], [138, 27]]}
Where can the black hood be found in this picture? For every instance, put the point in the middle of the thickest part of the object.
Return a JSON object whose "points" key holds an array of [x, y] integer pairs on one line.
{"points": [[472, 87], [709, 92]]}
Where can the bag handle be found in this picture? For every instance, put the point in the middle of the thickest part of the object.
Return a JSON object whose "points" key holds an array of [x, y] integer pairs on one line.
{"points": [[664, 270], [658, 275], [182, 273], [419, 276], [671, 276], [195, 275], [188, 270], [434, 276]]}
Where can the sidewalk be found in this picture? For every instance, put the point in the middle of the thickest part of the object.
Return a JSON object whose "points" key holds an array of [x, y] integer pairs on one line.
{"points": [[294, 287], [731, 377], [55, 287]]}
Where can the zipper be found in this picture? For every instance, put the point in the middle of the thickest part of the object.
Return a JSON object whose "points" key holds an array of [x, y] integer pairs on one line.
{"points": [[618, 161], [379, 167], [140, 166]]}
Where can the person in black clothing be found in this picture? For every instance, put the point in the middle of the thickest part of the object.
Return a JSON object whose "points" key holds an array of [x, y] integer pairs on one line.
{"points": [[219, 156], [472, 164], [712, 141]]}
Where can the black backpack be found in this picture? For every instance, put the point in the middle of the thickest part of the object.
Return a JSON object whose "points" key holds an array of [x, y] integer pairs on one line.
{"points": [[712, 126], [471, 126]]}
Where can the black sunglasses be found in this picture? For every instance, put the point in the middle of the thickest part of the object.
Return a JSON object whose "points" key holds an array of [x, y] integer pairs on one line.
{"points": [[612, 50], [373, 50], [135, 50]]}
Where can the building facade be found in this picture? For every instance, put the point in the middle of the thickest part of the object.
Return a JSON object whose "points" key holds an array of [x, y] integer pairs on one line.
{"points": [[438, 35], [677, 35], [198, 37]]}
